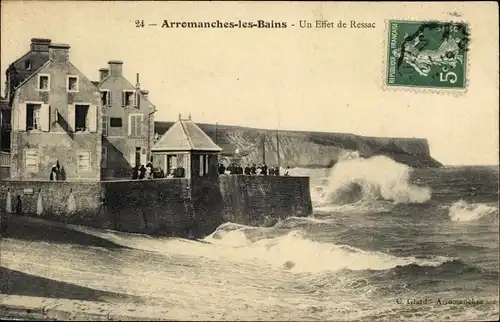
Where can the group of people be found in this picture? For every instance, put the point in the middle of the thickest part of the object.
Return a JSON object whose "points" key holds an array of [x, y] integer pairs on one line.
{"points": [[147, 172], [150, 172], [261, 169], [57, 173]]}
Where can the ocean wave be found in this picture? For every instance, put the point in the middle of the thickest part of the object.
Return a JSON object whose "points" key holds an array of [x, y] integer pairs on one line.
{"points": [[354, 179], [296, 253], [464, 211], [294, 222], [448, 269]]}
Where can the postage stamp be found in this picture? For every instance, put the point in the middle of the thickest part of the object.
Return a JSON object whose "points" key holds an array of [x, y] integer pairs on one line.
{"points": [[427, 54]]}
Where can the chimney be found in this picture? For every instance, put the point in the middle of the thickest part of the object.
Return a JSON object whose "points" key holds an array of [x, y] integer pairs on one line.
{"points": [[40, 44], [59, 52], [145, 93], [103, 73], [137, 84], [115, 68]]}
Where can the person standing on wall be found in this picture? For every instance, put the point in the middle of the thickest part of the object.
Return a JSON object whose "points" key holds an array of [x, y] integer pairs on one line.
{"points": [[142, 172]]}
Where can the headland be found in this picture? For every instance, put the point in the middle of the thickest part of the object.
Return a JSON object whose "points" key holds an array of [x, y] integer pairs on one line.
{"points": [[311, 149]]}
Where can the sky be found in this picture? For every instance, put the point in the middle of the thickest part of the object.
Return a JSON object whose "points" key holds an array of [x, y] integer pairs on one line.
{"points": [[291, 78]]}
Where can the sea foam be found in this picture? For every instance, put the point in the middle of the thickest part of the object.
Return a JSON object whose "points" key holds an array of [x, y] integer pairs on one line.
{"points": [[295, 252], [355, 179], [464, 211]]}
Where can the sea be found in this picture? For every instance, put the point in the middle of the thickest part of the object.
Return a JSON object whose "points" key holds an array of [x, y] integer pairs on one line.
{"points": [[384, 242]]}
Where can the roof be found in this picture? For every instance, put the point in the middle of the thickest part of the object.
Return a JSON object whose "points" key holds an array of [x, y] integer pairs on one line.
{"points": [[33, 74], [185, 135]]}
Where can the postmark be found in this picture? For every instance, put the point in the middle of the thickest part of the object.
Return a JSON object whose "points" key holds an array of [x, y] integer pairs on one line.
{"points": [[427, 54]]}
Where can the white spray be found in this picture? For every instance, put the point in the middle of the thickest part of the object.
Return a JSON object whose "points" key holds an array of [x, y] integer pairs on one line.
{"points": [[353, 179]]}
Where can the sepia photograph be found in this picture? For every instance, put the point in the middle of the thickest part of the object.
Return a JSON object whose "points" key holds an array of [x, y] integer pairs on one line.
{"points": [[249, 161]]}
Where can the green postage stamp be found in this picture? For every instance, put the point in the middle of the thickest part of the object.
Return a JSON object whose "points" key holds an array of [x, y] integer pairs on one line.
{"points": [[427, 54]]}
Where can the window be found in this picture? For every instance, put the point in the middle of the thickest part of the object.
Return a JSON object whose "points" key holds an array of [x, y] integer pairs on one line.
{"points": [[72, 84], [115, 122], [27, 64], [33, 121], [104, 125], [43, 82], [129, 98], [31, 159], [135, 125], [83, 161], [81, 112], [202, 165], [105, 97]]}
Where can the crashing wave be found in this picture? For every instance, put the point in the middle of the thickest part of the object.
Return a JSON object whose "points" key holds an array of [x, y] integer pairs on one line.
{"points": [[355, 179], [464, 211], [296, 253]]}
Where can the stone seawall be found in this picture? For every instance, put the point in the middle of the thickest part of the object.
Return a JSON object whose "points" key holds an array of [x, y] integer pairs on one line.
{"points": [[172, 207], [262, 200], [55, 199]]}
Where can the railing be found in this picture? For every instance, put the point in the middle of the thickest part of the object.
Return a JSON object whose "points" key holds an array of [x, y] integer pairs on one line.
{"points": [[4, 159]]}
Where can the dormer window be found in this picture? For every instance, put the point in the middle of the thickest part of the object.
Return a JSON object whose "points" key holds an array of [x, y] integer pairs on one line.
{"points": [[43, 82], [72, 83], [27, 65]]}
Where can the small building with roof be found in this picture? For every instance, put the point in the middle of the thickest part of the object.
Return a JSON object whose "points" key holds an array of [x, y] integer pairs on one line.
{"points": [[186, 146]]}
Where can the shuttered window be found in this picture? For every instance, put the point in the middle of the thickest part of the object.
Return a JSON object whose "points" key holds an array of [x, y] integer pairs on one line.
{"points": [[135, 125], [83, 161], [31, 159], [33, 117], [105, 97], [130, 98], [104, 121], [82, 117]]}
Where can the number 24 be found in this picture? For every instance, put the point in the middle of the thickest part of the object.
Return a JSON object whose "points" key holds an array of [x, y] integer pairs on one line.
{"points": [[139, 23]]}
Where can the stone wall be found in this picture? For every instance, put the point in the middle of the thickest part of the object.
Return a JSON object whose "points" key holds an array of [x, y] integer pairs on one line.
{"points": [[262, 200], [55, 200], [172, 207]]}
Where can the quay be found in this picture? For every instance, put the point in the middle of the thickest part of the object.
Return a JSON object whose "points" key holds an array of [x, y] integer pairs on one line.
{"points": [[171, 207]]}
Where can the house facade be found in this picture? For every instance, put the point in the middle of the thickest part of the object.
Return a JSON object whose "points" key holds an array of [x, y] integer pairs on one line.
{"points": [[127, 122], [55, 115], [16, 73]]}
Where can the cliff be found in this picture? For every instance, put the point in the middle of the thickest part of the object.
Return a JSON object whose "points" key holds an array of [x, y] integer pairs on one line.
{"points": [[311, 149]]}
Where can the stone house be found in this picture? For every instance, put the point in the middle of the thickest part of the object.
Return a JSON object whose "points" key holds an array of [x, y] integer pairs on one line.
{"points": [[54, 118], [16, 73], [127, 122]]}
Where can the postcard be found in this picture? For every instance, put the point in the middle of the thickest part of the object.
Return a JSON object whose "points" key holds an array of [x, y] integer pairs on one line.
{"points": [[249, 160]]}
